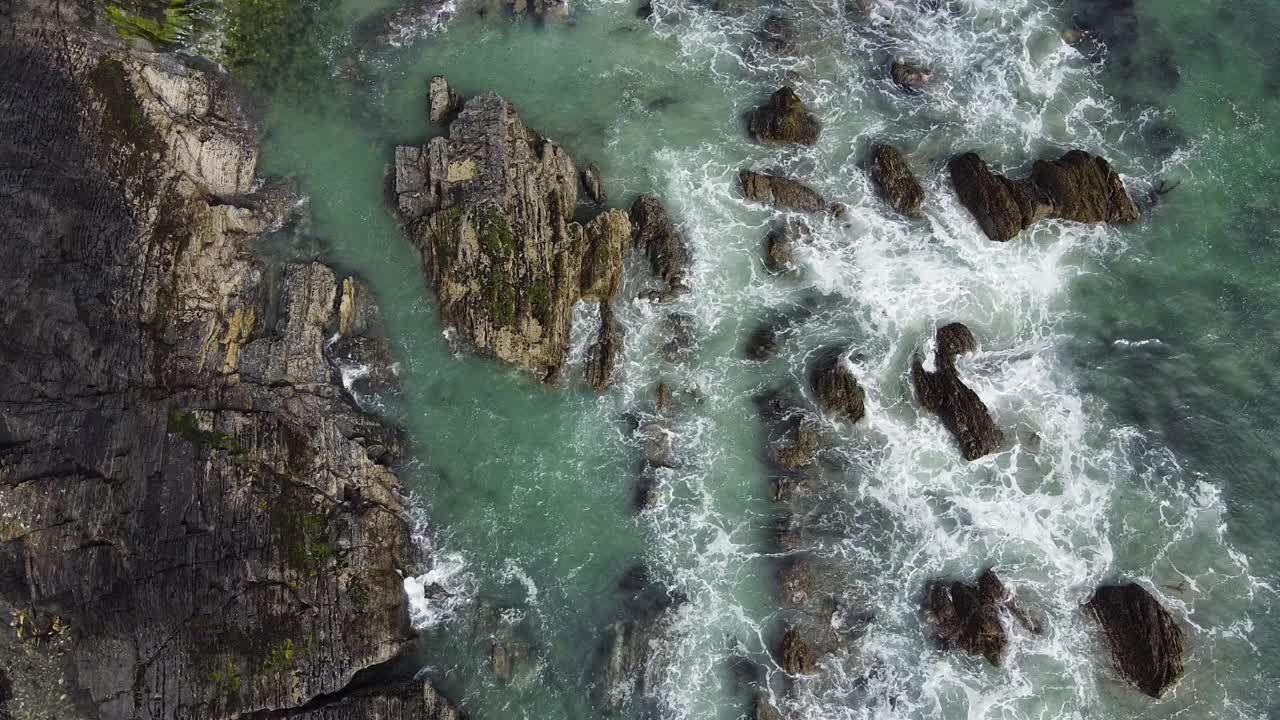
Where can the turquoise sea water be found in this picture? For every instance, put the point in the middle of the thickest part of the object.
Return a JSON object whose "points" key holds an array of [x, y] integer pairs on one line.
{"points": [[1131, 367]]}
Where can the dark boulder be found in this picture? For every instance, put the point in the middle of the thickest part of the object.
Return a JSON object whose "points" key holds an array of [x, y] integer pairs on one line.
{"points": [[1078, 187], [763, 343], [943, 393], [779, 251], [1147, 644], [800, 444], [662, 243], [780, 192], [911, 78], [897, 184], [778, 34], [967, 617], [784, 119], [836, 388]]}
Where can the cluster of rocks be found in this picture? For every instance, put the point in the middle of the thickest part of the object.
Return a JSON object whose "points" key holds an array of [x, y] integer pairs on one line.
{"points": [[198, 521]]}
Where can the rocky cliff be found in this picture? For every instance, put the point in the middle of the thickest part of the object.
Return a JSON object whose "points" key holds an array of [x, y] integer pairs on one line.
{"points": [[196, 521]]}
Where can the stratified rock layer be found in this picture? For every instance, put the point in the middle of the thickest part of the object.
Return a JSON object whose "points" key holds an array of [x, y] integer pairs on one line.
{"points": [[781, 192], [1146, 641], [195, 519], [490, 207]]}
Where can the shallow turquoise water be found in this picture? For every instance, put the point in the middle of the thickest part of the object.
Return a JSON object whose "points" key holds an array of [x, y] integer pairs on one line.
{"points": [[1141, 356]]}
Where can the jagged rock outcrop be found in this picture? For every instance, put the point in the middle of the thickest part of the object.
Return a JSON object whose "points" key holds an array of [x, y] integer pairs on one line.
{"points": [[442, 100], [897, 184], [1147, 644], [593, 183], [781, 192], [662, 243], [633, 655], [779, 250], [836, 388], [911, 78], [944, 394], [490, 207], [784, 119], [967, 616], [197, 521], [1078, 186]]}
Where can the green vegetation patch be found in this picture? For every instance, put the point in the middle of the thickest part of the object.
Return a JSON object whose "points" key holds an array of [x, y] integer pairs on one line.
{"points": [[162, 23], [300, 530], [281, 46], [185, 426]]}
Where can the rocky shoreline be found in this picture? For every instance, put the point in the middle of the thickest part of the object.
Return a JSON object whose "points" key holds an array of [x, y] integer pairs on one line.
{"points": [[197, 520]]}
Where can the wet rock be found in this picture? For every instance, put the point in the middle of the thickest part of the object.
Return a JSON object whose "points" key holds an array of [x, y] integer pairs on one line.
{"points": [[1078, 186], [779, 255], [798, 658], [645, 11], [796, 584], [967, 617], [547, 9], [602, 356], [659, 445], [897, 184], [778, 34], [836, 388], [197, 518], [632, 654], [593, 183], [911, 78], [444, 101], [943, 393], [800, 444], [663, 400], [490, 207], [662, 243], [784, 119], [762, 709], [1147, 644], [780, 192]]}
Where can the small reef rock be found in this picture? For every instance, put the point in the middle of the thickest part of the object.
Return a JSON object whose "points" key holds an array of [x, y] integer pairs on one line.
{"points": [[1078, 186], [780, 192], [593, 183], [664, 246], [943, 393], [633, 653], [784, 119], [911, 78], [778, 34], [443, 101], [490, 208], [836, 388], [1147, 644], [198, 522], [897, 184], [967, 616], [557, 9]]}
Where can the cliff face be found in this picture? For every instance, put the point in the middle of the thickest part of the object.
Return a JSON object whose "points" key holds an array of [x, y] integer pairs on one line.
{"points": [[195, 519]]}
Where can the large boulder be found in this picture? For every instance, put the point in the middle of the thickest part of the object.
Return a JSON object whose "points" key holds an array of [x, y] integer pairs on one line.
{"points": [[662, 243], [1078, 186], [784, 119], [1147, 644], [967, 616], [944, 394], [781, 192], [897, 184], [491, 207], [836, 388]]}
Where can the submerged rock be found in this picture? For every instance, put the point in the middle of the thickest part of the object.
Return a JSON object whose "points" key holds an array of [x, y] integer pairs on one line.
{"points": [[798, 658], [633, 654], [778, 34], [911, 78], [897, 184], [662, 243], [1078, 186], [443, 100], [780, 243], [780, 192], [1147, 644], [763, 343], [490, 207], [943, 393], [678, 346], [762, 709], [836, 388], [784, 119]]}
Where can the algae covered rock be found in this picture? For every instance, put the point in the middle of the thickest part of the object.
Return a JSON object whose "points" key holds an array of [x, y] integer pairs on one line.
{"points": [[1147, 644], [784, 119]]}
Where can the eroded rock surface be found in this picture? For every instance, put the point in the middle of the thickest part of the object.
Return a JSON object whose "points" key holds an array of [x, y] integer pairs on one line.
{"points": [[1078, 186], [1147, 644], [897, 184], [490, 207], [781, 192], [196, 517], [967, 616], [662, 243], [911, 78], [784, 119], [836, 388], [944, 394]]}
